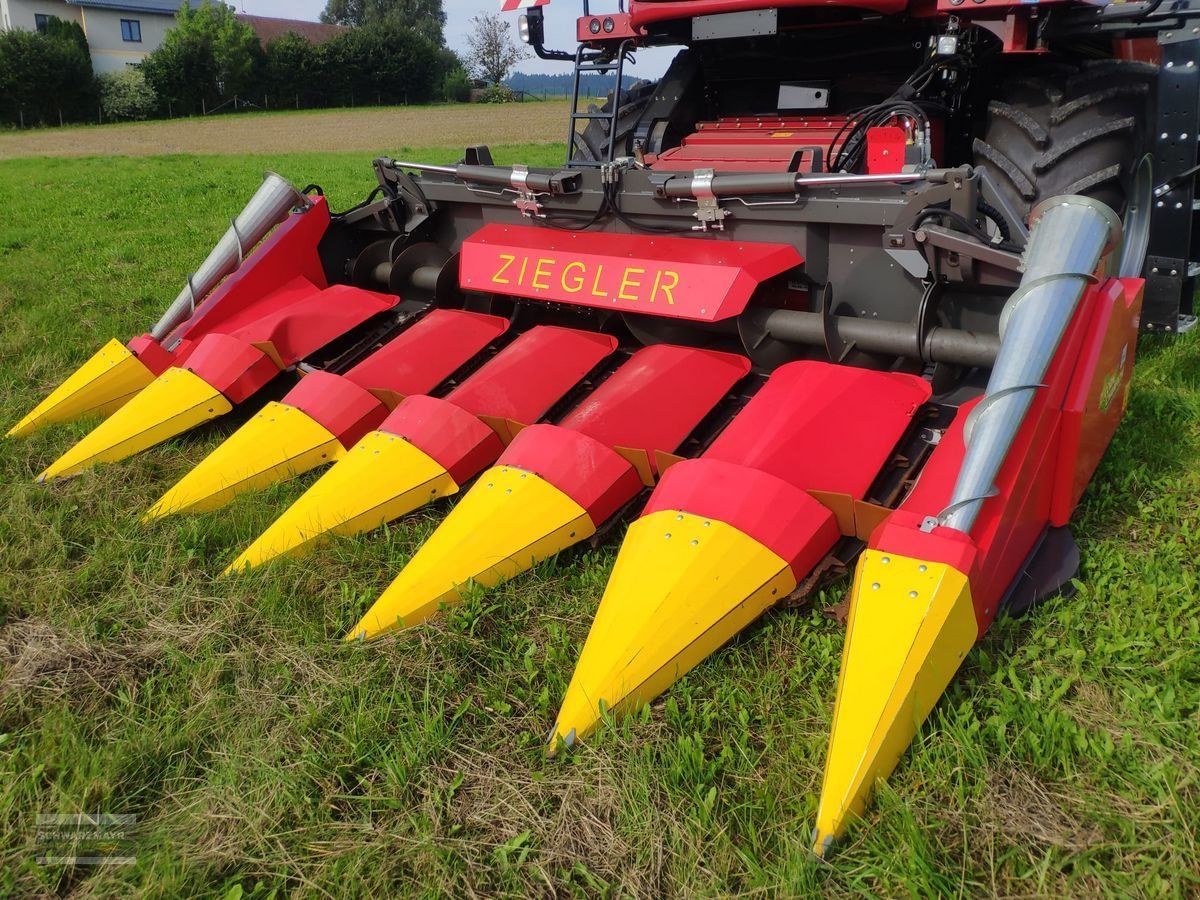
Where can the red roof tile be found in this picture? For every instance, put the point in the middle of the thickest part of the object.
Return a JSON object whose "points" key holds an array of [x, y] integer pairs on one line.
{"points": [[268, 29]]}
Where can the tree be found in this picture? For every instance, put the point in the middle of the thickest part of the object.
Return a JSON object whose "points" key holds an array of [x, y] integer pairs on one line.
{"points": [[493, 52], [208, 56], [426, 16]]}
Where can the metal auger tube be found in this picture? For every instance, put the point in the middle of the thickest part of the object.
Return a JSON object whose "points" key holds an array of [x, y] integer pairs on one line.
{"points": [[269, 206], [1069, 236]]}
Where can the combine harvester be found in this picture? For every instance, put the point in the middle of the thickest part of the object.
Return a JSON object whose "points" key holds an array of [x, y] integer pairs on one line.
{"points": [[854, 280]]}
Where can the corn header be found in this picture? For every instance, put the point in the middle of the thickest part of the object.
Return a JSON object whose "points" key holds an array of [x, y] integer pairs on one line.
{"points": [[855, 284]]}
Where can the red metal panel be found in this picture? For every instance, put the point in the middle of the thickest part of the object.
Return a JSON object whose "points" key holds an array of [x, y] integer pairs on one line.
{"points": [[426, 354], [733, 159], [151, 354], [457, 440], [769, 130], [646, 13], [290, 251], [1098, 395], [885, 149], [1011, 521], [780, 516], [755, 144], [657, 398], [704, 279], [281, 298], [901, 533], [621, 27], [520, 383], [651, 404], [310, 322], [586, 470], [343, 408], [230, 365], [823, 427], [814, 426], [533, 373]]}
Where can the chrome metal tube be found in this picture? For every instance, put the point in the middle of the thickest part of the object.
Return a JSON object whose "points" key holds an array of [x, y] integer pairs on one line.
{"points": [[1068, 238], [682, 186], [269, 206], [425, 167]]}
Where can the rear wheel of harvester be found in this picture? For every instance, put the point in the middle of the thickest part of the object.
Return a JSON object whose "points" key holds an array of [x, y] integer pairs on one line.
{"points": [[591, 144], [1076, 129]]}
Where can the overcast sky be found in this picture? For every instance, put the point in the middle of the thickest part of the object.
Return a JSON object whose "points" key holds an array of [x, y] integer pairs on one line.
{"points": [[560, 27]]}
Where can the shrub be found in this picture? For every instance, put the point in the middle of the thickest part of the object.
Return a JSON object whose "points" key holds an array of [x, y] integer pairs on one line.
{"points": [[293, 70], [126, 95], [386, 62], [497, 93], [457, 87], [44, 77]]}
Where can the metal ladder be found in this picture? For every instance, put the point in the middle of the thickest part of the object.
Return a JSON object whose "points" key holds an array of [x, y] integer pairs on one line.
{"points": [[596, 62]]}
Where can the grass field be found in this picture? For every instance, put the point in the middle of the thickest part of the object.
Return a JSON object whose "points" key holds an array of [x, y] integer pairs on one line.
{"points": [[264, 757]]}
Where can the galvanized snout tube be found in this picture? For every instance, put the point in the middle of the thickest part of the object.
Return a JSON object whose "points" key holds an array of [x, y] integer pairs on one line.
{"points": [[1069, 236], [269, 206]]}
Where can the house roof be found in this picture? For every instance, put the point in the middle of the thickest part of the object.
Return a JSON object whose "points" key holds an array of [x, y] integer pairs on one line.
{"points": [[159, 7], [268, 29]]}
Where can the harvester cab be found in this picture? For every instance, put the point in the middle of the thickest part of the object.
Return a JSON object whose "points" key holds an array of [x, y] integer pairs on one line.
{"points": [[851, 285]]}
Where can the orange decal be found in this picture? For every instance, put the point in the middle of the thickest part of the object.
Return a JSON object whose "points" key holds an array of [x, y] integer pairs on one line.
{"points": [[578, 282], [508, 261], [596, 283], [661, 284], [627, 281], [541, 272]]}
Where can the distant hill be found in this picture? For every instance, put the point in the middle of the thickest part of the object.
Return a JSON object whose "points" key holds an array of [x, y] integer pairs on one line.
{"points": [[560, 85]]}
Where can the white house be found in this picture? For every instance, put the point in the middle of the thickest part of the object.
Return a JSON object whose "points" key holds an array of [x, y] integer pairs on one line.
{"points": [[119, 32]]}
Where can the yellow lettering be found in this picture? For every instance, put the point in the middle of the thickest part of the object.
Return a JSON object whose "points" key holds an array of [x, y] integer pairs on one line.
{"points": [[542, 273], [578, 282], [627, 281], [524, 266], [508, 261], [660, 284], [596, 283]]}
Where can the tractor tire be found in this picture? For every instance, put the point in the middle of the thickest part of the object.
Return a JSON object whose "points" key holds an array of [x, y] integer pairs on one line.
{"points": [[591, 145], [1074, 129]]}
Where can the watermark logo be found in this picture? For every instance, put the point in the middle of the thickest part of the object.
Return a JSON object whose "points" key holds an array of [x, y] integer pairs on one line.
{"points": [[90, 839]]}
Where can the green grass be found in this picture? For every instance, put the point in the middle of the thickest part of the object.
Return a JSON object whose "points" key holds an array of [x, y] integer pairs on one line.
{"points": [[261, 755]]}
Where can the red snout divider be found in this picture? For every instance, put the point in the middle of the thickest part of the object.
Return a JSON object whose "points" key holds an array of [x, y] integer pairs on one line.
{"points": [[813, 427], [466, 431], [649, 406]]}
